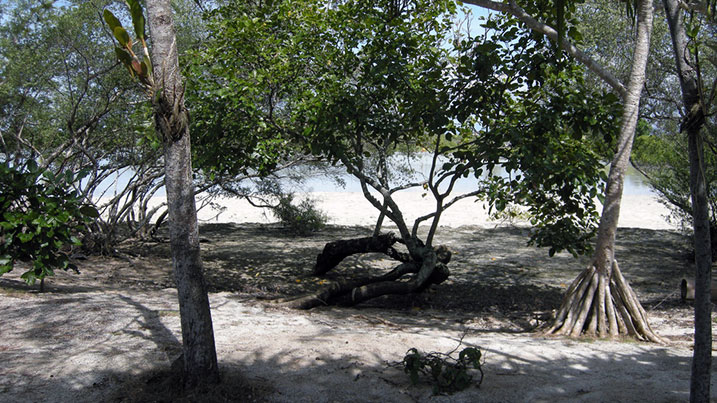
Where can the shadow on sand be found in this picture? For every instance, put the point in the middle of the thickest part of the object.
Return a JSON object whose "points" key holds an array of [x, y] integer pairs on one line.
{"points": [[514, 371]]}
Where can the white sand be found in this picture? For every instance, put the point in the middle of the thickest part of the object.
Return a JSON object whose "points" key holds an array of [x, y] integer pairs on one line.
{"points": [[82, 346], [351, 208]]}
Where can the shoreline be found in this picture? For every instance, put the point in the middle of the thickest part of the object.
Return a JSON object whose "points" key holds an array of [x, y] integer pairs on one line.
{"points": [[351, 209]]}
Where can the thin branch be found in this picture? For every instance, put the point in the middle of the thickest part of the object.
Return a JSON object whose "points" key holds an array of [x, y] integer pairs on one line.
{"points": [[510, 7]]}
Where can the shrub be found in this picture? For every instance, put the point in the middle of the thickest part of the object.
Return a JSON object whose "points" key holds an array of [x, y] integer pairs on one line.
{"points": [[301, 219], [511, 215], [41, 216]]}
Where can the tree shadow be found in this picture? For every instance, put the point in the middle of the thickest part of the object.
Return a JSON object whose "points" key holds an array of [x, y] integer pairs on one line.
{"points": [[315, 362], [513, 372], [46, 335], [492, 269]]}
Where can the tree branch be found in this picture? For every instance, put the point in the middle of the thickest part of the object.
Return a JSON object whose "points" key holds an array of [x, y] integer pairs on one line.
{"points": [[518, 12]]}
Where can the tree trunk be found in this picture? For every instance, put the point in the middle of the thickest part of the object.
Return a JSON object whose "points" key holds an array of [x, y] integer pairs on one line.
{"points": [[171, 119], [430, 268], [702, 356], [600, 302], [692, 123], [335, 252]]}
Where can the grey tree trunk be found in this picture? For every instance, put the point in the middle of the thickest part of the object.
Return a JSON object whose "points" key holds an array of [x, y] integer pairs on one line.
{"points": [[171, 119], [605, 245], [692, 124]]}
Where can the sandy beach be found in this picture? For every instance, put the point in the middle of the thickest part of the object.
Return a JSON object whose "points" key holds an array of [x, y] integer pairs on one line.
{"points": [[351, 208], [112, 333]]}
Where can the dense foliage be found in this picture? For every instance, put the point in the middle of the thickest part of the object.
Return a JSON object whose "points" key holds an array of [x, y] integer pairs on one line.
{"points": [[660, 150], [66, 103], [41, 218], [361, 80]]}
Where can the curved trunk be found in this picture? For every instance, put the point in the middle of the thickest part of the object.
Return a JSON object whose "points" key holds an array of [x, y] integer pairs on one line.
{"points": [[200, 357], [692, 124], [430, 268], [600, 302]]}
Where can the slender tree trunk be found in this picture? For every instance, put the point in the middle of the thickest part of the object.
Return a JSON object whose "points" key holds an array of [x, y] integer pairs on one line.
{"points": [[692, 123], [702, 355], [171, 119], [600, 302]]}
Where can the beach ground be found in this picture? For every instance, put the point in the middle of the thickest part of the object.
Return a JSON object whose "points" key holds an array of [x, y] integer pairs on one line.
{"points": [[112, 332]]}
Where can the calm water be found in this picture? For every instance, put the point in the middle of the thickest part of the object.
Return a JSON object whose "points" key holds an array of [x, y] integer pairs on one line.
{"points": [[635, 183]]}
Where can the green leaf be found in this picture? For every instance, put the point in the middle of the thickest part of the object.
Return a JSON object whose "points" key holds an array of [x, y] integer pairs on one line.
{"points": [[111, 20], [137, 17], [146, 69], [25, 237], [29, 277], [89, 211], [575, 35], [32, 166], [5, 268], [693, 31], [121, 35], [124, 57]]}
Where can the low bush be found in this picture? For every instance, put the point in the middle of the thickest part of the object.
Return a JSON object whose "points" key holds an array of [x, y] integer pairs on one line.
{"points": [[301, 219]]}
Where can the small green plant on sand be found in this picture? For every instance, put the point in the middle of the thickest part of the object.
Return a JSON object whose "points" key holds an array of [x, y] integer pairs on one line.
{"points": [[446, 373]]}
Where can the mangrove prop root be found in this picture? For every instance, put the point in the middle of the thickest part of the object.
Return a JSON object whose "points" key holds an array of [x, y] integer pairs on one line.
{"points": [[598, 306]]}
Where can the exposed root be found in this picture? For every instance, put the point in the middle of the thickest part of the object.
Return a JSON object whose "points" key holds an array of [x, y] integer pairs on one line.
{"points": [[598, 306]]}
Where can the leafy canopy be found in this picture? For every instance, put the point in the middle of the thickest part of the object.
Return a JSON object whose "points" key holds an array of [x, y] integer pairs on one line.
{"points": [[360, 80]]}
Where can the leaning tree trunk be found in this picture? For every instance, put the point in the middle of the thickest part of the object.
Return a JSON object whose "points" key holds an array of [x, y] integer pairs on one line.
{"points": [[600, 302], [429, 268], [692, 124], [171, 119]]}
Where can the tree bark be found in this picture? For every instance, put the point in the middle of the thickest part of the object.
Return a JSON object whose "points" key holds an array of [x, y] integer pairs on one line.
{"points": [[171, 119], [335, 252], [430, 268], [692, 124], [600, 302]]}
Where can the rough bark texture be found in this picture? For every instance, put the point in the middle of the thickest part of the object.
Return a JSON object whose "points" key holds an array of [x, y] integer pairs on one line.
{"points": [[600, 302], [692, 124], [431, 268], [702, 358], [200, 358]]}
